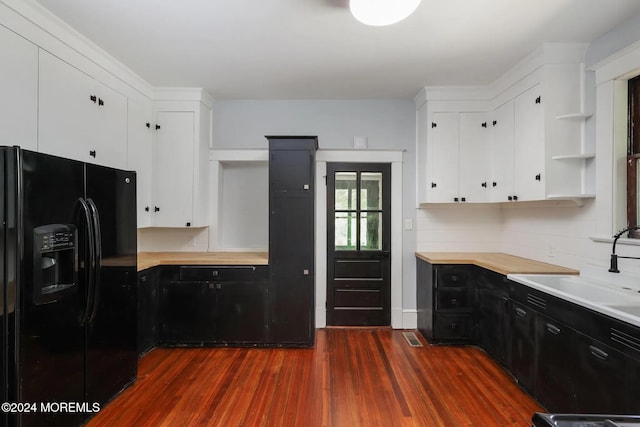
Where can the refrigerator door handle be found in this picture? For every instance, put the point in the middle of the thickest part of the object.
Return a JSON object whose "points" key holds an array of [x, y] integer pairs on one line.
{"points": [[97, 264], [83, 215]]}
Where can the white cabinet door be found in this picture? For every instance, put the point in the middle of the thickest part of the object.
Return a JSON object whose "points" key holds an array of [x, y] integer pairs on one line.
{"points": [[80, 118], [140, 156], [502, 153], [474, 149], [442, 158], [109, 136], [529, 145], [65, 109], [173, 169], [19, 91]]}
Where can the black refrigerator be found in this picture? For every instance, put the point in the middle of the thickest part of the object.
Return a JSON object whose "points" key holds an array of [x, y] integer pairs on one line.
{"points": [[67, 287]]}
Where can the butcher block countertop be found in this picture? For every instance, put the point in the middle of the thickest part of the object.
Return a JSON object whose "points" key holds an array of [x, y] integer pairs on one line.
{"points": [[494, 261], [152, 259]]}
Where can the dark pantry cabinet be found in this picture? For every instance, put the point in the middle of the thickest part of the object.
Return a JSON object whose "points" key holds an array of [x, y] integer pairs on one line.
{"points": [[291, 239]]}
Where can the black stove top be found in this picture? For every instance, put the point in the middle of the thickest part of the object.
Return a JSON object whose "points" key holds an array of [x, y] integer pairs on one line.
{"points": [[585, 420]]}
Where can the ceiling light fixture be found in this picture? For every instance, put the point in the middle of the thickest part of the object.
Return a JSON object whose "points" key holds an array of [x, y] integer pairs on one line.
{"points": [[382, 12]]}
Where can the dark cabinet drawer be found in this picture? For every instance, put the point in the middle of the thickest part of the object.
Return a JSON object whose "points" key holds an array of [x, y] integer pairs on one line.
{"points": [[453, 299], [447, 276], [223, 273], [452, 327]]}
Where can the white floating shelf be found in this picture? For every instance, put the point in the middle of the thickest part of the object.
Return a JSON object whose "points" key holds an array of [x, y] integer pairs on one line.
{"points": [[570, 196], [574, 156], [574, 116]]}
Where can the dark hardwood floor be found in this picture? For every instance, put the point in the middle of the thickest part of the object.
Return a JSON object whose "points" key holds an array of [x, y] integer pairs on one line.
{"points": [[353, 377]]}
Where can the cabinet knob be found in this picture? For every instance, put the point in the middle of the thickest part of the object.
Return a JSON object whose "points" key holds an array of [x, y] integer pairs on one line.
{"points": [[538, 99], [538, 177], [433, 125], [146, 208], [484, 125], [157, 127], [495, 122], [455, 199], [305, 272], [433, 185], [100, 102], [156, 209], [305, 187], [463, 199], [484, 184], [494, 184], [148, 125], [93, 98], [510, 198], [188, 224], [515, 197], [92, 153]]}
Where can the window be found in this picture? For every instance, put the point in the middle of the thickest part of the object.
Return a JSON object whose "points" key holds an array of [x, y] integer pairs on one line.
{"points": [[633, 157]]}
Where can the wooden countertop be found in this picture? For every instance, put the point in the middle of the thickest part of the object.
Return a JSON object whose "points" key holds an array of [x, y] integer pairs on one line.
{"points": [[495, 261], [152, 259]]}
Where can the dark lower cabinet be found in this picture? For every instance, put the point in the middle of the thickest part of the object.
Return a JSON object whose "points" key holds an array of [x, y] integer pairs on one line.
{"points": [[241, 313], [557, 366], [213, 305], [147, 310], [568, 357], [601, 383], [523, 346], [493, 315], [445, 302], [187, 312]]}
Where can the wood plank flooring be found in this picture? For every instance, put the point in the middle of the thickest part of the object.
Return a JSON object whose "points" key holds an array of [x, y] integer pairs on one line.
{"points": [[353, 377]]}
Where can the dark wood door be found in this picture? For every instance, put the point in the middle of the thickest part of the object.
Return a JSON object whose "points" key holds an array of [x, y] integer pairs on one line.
{"points": [[358, 244]]}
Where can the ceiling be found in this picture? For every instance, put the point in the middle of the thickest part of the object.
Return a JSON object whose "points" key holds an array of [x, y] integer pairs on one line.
{"points": [[315, 49]]}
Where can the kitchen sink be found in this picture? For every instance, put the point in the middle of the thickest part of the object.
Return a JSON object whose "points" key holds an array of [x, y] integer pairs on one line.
{"points": [[580, 287]]}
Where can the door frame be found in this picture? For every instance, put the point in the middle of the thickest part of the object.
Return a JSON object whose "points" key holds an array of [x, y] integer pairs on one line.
{"points": [[395, 157]]}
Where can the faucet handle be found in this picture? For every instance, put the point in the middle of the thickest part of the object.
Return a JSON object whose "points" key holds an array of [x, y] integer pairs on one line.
{"points": [[613, 268]]}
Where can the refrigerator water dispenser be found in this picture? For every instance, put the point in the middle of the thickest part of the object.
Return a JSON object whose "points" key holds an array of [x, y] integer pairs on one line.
{"points": [[54, 262]]}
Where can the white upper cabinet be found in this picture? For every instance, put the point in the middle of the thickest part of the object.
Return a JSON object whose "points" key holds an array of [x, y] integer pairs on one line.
{"points": [[529, 146], [458, 158], [181, 172], [475, 158], [502, 153], [140, 155], [78, 117], [442, 158], [19, 91], [535, 147]]}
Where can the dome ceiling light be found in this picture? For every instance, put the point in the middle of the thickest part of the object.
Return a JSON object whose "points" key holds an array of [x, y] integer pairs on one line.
{"points": [[382, 12]]}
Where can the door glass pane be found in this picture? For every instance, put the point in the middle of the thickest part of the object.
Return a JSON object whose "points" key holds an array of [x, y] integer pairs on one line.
{"points": [[346, 231], [371, 231], [345, 196], [371, 191]]}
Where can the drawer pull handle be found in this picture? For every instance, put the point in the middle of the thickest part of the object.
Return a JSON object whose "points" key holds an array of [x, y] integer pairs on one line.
{"points": [[520, 312], [600, 354], [553, 329], [454, 301]]}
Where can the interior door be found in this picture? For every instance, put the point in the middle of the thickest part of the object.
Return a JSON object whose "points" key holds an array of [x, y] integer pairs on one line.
{"points": [[358, 244]]}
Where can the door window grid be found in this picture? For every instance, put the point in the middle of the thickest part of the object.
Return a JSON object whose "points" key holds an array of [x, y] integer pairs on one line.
{"points": [[358, 211]]}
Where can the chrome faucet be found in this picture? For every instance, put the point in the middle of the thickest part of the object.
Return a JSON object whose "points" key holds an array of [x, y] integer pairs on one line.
{"points": [[613, 268]]}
